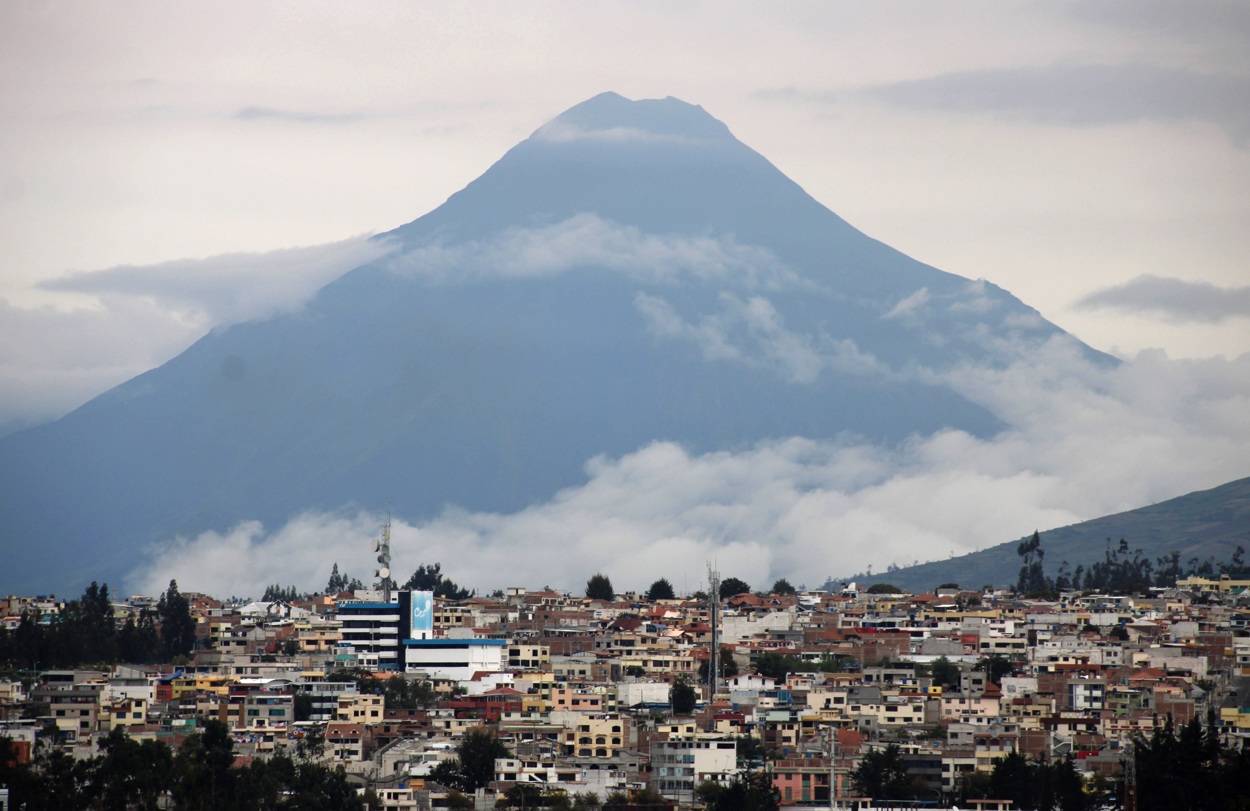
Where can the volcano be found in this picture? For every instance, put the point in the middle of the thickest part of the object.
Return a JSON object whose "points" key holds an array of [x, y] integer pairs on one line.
{"points": [[629, 273]]}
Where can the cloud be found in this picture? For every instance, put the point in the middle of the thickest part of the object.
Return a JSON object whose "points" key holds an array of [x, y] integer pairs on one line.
{"points": [[589, 241], [1083, 95], [233, 287], [54, 359], [909, 305], [751, 331], [1175, 300], [1083, 441], [562, 132], [297, 116]]}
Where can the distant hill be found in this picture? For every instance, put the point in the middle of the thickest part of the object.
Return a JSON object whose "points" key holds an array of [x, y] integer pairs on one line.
{"points": [[1204, 524]]}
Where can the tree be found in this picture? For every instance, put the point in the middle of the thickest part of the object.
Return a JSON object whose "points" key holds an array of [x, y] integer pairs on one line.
{"points": [[945, 672], [732, 586], [430, 578], [177, 624], [474, 764], [782, 586], [661, 590], [728, 665], [884, 588], [748, 791], [882, 775], [337, 581], [995, 667], [682, 697], [599, 587], [1032, 581]]}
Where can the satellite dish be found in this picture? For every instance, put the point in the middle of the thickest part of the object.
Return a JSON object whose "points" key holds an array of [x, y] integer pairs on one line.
{"points": [[376, 544], [384, 558], [384, 572]]}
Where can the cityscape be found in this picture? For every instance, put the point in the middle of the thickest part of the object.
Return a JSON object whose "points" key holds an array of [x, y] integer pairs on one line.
{"points": [[424, 695]]}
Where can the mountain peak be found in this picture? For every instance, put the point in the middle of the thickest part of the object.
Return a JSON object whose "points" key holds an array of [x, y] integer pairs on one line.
{"points": [[610, 117]]}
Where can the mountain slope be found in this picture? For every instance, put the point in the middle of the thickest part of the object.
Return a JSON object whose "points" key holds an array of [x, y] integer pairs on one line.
{"points": [[1203, 524], [631, 272]]}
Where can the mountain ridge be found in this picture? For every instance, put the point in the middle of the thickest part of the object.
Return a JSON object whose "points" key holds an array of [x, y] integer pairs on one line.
{"points": [[1204, 524]]}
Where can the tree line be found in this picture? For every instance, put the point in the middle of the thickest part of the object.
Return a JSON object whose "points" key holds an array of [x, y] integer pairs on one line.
{"points": [[84, 632], [1121, 570], [146, 775]]}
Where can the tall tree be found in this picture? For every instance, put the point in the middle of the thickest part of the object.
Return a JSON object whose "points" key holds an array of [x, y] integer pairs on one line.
{"points": [[177, 624], [732, 586], [882, 775], [661, 590], [682, 697], [599, 587], [782, 586], [430, 578], [474, 764]]}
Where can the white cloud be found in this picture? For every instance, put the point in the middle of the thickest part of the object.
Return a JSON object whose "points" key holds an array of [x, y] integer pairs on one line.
{"points": [[564, 132], [588, 241], [53, 360], [753, 332], [232, 287], [909, 304], [1082, 442]]}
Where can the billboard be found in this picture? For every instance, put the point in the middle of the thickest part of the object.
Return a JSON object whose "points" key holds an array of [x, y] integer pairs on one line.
{"points": [[422, 615]]}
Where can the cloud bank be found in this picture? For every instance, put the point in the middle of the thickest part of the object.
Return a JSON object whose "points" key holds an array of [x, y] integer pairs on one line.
{"points": [[1175, 300], [52, 360], [1084, 441]]}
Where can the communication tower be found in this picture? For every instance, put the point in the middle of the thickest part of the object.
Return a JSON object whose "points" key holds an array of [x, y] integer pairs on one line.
{"points": [[713, 596], [383, 547]]}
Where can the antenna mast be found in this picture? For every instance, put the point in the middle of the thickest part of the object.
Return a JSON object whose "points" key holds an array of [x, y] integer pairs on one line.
{"points": [[713, 596], [383, 548]]}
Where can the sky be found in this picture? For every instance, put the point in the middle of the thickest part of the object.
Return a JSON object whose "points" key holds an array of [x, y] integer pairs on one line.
{"points": [[168, 168]]}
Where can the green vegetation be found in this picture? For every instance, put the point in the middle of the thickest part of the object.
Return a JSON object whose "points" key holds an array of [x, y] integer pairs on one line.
{"points": [[884, 588], [682, 697], [149, 775], [748, 791], [732, 586], [778, 665], [1207, 525], [728, 666], [340, 582], [84, 633], [643, 800], [1189, 768], [1032, 786], [430, 578], [661, 590], [782, 586], [474, 764], [275, 593], [882, 775], [599, 587], [945, 672]]}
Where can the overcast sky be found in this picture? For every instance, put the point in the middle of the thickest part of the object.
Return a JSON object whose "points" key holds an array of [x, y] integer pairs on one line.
{"points": [[170, 167]]}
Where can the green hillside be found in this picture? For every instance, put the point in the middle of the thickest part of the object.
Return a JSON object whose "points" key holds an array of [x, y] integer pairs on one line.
{"points": [[1204, 524]]}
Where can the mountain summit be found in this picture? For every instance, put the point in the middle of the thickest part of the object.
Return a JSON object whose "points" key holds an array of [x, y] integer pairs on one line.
{"points": [[631, 272]]}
